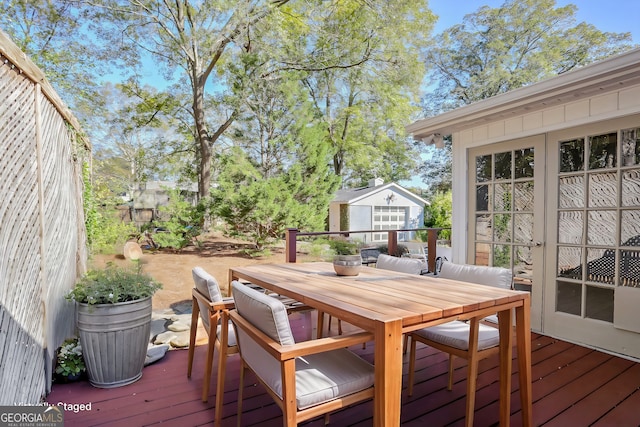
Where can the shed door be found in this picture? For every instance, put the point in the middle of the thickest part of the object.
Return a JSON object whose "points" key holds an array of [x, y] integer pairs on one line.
{"points": [[594, 234], [507, 215]]}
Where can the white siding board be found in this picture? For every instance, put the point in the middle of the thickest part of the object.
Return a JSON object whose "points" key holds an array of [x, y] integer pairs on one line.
{"points": [[553, 116], [604, 104], [496, 129], [513, 125], [532, 121], [577, 110]]}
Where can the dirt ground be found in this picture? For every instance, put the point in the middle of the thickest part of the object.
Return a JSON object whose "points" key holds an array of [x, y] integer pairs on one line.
{"points": [[173, 269]]}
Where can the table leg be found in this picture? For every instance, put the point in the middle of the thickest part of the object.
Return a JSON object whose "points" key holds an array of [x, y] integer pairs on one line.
{"points": [[523, 331], [505, 323], [388, 374]]}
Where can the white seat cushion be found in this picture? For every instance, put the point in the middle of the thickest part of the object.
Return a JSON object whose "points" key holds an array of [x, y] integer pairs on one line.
{"points": [[208, 286], [266, 313], [456, 334], [231, 340], [403, 265], [491, 276]]}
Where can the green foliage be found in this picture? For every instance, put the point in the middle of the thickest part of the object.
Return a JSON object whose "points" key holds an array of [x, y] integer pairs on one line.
{"points": [[113, 284], [69, 358], [344, 247], [91, 215], [438, 214], [110, 231], [183, 224]]}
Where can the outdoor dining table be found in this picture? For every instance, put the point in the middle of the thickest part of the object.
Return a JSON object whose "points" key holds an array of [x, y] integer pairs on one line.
{"points": [[389, 304]]}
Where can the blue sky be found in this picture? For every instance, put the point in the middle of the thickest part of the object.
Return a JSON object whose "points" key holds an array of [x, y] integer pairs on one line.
{"points": [[617, 16]]}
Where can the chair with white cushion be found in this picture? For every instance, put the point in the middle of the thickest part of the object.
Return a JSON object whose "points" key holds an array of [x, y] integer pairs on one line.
{"points": [[212, 308], [403, 265], [306, 379], [470, 340]]}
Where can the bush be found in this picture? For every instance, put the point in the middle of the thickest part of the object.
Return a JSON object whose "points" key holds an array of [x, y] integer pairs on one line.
{"points": [[113, 284]]}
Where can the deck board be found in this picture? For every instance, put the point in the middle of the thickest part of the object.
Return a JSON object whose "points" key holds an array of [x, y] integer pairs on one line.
{"points": [[572, 385]]}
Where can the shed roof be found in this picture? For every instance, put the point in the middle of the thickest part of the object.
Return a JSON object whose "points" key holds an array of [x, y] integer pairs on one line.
{"points": [[353, 195]]}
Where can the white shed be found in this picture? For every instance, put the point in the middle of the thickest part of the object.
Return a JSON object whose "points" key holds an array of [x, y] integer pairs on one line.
{"points": [[380, 207]]}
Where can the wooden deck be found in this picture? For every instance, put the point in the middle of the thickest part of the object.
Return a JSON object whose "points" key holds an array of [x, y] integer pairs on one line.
{"points": [[572, 386]]}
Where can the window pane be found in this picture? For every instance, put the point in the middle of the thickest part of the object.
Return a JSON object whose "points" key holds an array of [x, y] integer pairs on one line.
{"points": [[483, 228], [482, 198], [503, 166], [482, 253], [601, 228], [570, 227], [524, 196], [572, 155], [631, 188], [569, 298], [524, 163], [571, 192], [601, 265], [502, 256], [630, 146], [602, 151], [523, 264], [603, 190], [599, 304], [483, 168], [502, 227], [502, 197], [630, 228], [630, 268], [570, 262], [523, 228]]}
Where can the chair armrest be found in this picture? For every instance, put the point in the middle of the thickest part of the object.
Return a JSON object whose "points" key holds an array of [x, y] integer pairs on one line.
{"points": [[280, 352], [225, 304]]}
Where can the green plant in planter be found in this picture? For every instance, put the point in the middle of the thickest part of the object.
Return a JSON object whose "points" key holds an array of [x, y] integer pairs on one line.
{"points": [[344, 247], [113, 284], [114, 323], [70, 362]]}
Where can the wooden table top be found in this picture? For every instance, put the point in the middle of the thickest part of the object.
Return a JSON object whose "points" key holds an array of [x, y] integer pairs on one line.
{"points": [[379, 295]]}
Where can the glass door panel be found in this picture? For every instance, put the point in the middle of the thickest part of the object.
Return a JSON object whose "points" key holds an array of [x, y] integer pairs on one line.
{"points": [[507, 214]]}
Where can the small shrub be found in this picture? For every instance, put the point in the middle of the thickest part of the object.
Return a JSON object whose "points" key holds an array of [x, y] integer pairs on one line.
{"points": [[113, 284]]}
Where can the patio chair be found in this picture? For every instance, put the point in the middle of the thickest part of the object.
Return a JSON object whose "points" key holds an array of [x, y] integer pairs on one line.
{"points": [[208, 303], [306, 379], [470, 340]]}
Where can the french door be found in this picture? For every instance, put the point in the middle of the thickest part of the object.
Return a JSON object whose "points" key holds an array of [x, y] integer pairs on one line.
{"points": [[593, 281], [507, 215]]}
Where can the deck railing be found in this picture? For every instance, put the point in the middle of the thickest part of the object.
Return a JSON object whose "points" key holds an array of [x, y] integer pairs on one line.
{"points": [[292, 235]]}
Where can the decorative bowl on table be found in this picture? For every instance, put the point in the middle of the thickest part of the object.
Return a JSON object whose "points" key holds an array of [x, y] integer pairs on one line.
{"points": [[347, 265]]}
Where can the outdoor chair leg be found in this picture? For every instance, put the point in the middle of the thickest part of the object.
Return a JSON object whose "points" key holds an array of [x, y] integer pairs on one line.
{"points": [[412, 366], [239, 415], [195, 311]]}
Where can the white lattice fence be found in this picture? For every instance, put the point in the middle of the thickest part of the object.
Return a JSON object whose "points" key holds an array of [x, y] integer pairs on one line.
{"points": [[42, 236]]}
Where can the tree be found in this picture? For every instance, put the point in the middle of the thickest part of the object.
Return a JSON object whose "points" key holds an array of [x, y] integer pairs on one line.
{"points": [[365, 107], [278, 176], [495, 50]]}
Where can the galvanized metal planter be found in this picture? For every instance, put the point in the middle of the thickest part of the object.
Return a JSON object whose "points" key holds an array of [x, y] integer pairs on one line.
{"points": [[114, 340]]}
